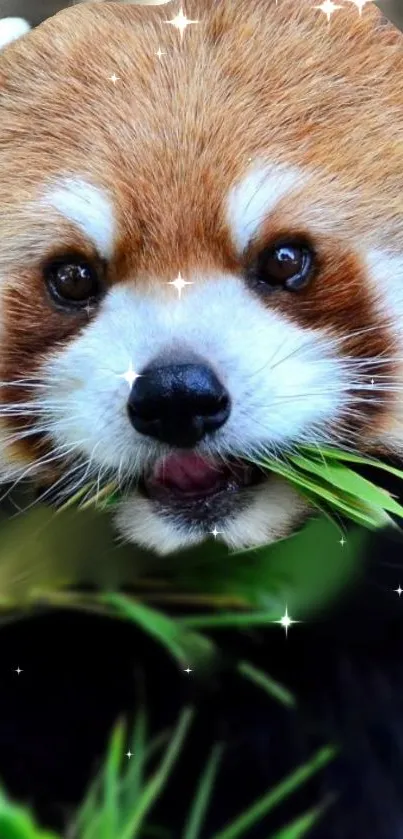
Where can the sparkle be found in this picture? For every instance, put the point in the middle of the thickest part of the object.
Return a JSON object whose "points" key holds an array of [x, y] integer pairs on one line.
{"points": [[179, 284], [398, 590], [215, 532], [328, 7], [360, 4], [286, 621], [372, 382], [342, 541], [18, 671], [160, 53], [181, 22], [129, 754], [188, 670], [114, 78], [130, 376]]}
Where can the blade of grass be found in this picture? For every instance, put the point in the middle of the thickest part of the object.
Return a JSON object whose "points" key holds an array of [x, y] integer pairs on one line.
{"points": [[17, 822], [267, 802], [184, 646], [158, 780], [83, 824], [110, 820], [229, 620], [194, 822], [86, 821], [272, 687], [133, 781], [304, 824]]}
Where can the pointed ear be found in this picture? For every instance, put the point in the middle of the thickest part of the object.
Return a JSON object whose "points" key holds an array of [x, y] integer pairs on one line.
{"points": [[12, 28]]}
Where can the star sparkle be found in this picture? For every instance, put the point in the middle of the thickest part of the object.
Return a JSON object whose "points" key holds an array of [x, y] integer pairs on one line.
{"points": [[328, 8], [398, 590], [286, 621], [360, 4], [160, 53], [181, 22], [114, 78], [188, 670], [129, 754], [18, 671], [215, 532], [130, 376], [179, 284], [342, 541]]}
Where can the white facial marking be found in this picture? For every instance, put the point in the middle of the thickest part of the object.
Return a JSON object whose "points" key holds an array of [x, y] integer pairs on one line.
{"points": [[385, 273], [12, 28], [87, 206], [251, 201]]}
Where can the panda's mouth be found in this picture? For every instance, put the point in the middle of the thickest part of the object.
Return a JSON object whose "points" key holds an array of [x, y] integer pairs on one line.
{"points": [[192, 483]]}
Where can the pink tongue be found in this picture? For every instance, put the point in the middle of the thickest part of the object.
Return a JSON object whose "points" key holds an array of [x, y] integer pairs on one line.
{"points": [[187, 472]]}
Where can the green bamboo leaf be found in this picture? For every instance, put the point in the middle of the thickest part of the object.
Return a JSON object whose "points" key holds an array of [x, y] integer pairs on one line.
{"points": [[348, 505], [200, 804], [351, 483], [340, 455]]}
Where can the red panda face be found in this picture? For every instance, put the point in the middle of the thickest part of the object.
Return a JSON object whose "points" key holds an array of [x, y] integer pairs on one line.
{"points": [[201, 256]]}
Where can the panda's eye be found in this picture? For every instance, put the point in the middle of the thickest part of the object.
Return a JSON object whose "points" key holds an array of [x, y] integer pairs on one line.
{"points": [[288, 265], [72, 280]]}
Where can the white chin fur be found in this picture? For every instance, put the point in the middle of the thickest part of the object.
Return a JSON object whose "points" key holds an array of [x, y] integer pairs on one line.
{"points": [[12, 28], [274, 512]]}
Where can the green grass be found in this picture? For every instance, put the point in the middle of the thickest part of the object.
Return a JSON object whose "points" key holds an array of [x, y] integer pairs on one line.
{"points": [[123, 796], [323, 475], [45, 559]]}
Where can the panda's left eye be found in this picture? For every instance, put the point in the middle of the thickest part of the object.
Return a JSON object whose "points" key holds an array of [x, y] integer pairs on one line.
{"points": [[72, 280], [288, 265]]}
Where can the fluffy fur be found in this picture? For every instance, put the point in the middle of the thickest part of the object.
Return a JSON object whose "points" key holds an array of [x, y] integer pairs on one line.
{"points": [[191, 165], [264, 120]]}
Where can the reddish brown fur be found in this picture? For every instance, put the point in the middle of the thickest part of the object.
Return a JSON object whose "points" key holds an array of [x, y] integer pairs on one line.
{"points": [[251, 79]]}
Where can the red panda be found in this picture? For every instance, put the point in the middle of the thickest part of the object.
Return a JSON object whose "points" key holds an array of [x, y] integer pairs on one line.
{"points": [[201, 258], [201, 255]]}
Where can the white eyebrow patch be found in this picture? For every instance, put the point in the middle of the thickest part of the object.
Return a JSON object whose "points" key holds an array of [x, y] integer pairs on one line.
{"points": [[252, 200], [87, 206]]}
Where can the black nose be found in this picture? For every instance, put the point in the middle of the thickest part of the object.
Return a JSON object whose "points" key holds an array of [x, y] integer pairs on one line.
{"points": [[178, 403]]}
